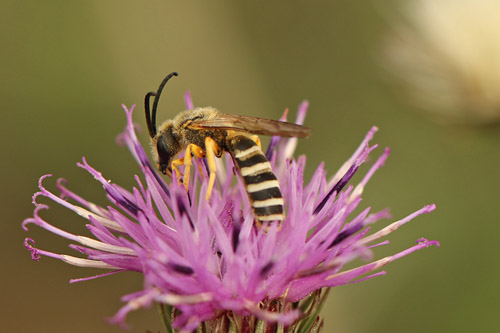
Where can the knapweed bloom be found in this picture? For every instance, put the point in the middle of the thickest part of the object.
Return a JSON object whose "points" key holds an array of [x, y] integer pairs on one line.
{"points": [[446, 52], [206, 262]]}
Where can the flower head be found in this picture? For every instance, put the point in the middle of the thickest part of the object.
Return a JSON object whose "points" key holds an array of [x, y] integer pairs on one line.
{"points": [[447, 52], [205, 260]]}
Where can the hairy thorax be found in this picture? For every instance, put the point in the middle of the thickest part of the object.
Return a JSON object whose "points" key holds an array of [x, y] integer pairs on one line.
{"points": [[189, 135]]}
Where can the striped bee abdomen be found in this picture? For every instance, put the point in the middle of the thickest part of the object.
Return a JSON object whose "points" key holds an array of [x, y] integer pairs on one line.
{"points": [[262, 186]]}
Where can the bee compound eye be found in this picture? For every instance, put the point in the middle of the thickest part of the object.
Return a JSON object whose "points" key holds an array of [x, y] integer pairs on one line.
{"points": [[163, 155]]}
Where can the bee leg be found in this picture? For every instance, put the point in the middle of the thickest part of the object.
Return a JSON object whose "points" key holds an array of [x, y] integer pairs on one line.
{"points": [[256, 139], [213, 150], [175, 164], [200, 170], [191, 150]]}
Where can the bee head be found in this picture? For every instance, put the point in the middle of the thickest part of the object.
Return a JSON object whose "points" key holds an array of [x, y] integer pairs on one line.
{"points": [[165, 146]]}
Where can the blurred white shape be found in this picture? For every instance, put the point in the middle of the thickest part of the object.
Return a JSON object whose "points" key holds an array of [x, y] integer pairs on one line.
{"points": [[448, 53]]}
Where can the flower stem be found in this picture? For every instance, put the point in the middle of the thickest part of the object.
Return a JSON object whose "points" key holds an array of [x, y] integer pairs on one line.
{"points": [[165, 315]]}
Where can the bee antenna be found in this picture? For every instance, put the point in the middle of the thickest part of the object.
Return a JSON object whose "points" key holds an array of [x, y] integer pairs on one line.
{"points": [[151, 126], [151, 114]]}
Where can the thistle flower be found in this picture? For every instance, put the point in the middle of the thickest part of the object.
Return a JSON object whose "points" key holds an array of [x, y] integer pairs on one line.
{"points": [[206, 263], [446, 52]]}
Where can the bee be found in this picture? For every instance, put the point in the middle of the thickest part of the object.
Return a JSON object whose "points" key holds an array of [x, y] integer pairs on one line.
{"points": [[207, 133]]}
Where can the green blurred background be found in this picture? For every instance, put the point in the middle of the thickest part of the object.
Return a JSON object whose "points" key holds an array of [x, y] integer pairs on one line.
{"points": [[67, 66]]}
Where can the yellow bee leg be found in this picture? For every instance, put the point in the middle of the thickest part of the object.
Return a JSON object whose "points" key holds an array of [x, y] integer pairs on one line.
{"points": [[191, 150], [200, 169], [198, 152], [175, 164], [256, 139], [213, 150], [187, 169]]}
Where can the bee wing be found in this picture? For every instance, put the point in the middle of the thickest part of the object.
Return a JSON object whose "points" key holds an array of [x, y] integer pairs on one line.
{"points": [[252, 125]]}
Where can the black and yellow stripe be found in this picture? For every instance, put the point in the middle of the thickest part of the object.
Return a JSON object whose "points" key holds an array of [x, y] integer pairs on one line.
{"points": [[262, 186]]}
